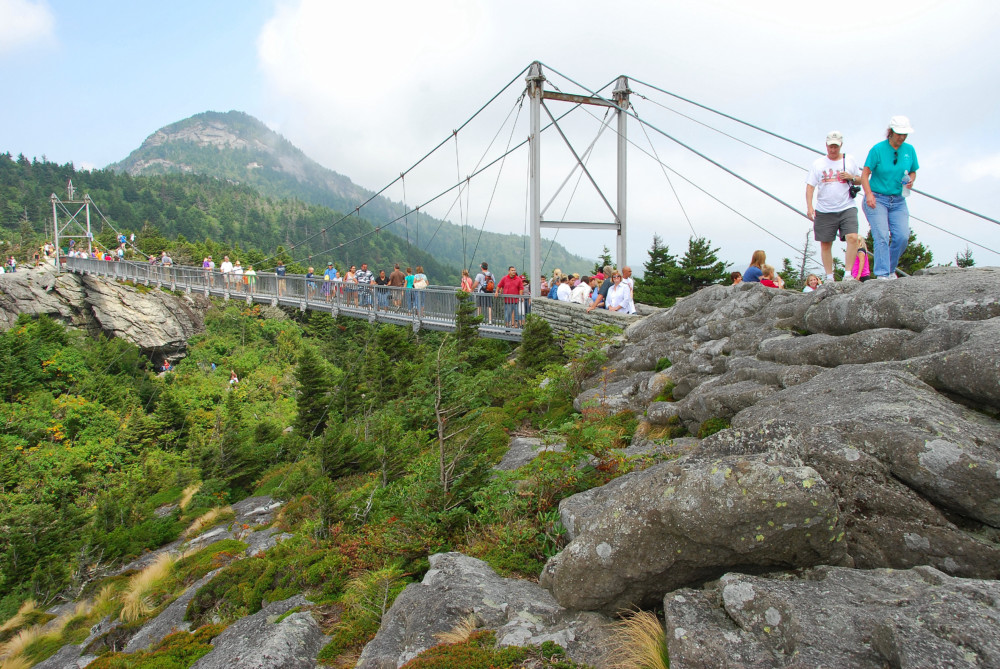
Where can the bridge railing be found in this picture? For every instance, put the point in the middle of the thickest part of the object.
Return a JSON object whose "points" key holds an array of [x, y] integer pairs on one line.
{"points": [[432, 307]]}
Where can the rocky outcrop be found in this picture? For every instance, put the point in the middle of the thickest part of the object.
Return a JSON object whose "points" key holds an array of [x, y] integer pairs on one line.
{"points": [[686, 521], [457, 587], [523, 450], [154, 320], [883, 396], [834, 617], [170, 620], [268, 639]]}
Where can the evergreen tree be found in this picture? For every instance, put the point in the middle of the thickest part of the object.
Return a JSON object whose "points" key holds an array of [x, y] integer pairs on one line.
{"points": [[313, 396], [791, 275], [538, 347], [466, 322], [604, 260], [965, 259], [700, 266], [659, 281]]}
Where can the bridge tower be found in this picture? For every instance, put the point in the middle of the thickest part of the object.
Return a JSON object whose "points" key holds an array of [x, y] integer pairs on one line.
{"points": [[82, 227], [620, 103]]}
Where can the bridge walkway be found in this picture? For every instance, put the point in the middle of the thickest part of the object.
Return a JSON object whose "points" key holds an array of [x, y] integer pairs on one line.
{"points": [[431, 308]]}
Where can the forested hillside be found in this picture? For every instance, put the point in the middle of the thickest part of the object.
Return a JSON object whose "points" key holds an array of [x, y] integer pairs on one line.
{"points": [[238, 147], [199, 208]]}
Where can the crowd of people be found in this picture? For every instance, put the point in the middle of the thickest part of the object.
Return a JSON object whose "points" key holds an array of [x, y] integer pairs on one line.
{"points": [[833, 183]]}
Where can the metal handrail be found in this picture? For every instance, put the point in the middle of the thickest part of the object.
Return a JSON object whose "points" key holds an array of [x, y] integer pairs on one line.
{"points": [[432, 308]]}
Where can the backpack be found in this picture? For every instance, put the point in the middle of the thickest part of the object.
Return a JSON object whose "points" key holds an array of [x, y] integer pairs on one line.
{"points": [[490, 286]]}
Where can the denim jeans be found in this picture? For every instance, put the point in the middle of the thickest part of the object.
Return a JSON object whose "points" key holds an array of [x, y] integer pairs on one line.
{"points": [[890, 223]]}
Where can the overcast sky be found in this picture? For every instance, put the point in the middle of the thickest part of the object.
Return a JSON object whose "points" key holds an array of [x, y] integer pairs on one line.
{"points": [[366, 88]]}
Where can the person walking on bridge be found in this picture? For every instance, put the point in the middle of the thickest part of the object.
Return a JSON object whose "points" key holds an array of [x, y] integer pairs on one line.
{"points": [[832, 180], [511, 284]]}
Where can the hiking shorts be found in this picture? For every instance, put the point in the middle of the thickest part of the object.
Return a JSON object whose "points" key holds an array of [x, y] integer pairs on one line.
{"points": [[827, 225]]}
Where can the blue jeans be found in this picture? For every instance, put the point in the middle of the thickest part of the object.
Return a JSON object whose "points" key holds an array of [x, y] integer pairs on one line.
{"points": [[890, 223]]}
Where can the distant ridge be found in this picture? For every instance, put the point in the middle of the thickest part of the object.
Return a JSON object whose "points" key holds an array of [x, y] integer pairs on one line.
{"points": [[238, 147]]}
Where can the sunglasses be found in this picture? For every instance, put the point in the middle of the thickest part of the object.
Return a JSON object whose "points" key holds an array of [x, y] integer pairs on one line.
{"points": [[895, 157]]}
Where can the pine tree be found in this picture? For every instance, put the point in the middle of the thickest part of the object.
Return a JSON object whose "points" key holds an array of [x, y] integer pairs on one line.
{"points": [[538, 347], [965, 258], [466, 322], [604, 260], [791, 275], [313, 396], [700, 266], [659, 280]]}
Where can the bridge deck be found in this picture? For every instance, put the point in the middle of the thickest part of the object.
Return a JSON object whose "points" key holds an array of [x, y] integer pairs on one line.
{"points": [[432, 308]]}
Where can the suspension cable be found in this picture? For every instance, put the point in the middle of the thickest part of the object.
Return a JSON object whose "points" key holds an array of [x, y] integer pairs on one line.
{"points": [[667, 176], [807, 148], [413, 166]]}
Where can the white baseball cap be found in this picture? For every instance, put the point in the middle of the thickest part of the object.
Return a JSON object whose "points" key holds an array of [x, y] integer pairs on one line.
{"points": [[900, 125], [834, 137]]}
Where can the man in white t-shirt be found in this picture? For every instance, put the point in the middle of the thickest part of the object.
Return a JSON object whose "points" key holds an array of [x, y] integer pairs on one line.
{"points": [[830, 179], [564, 292], [227, 269]]}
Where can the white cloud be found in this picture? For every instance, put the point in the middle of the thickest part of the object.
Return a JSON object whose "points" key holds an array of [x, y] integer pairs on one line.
{"points": [[984, 168], [367, 88], [23, 22]]}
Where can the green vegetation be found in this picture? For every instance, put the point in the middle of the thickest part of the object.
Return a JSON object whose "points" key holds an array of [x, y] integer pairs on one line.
{"points": [[388, 460], [177, 651], [665, 278], [479, 651], [713, 425]]}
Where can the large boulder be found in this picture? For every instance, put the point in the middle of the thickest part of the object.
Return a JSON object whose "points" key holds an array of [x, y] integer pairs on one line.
{"points": [[686, 521], [269, 639], [836, 617], [458, 587]]}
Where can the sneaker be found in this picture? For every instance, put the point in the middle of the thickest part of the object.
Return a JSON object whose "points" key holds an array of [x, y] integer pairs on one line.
{"points": [[892, 277], [848, 277], [883, 278]]}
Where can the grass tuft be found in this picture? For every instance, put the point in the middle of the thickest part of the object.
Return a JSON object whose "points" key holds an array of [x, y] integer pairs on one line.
{"points": [[205, 520], [188, 494], [135, 600], [26, 607], [639, 642], [461, 632], [20, 641], [15, 662]]}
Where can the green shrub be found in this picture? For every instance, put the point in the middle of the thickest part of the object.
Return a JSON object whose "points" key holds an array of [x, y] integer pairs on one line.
{"points": [[177, 651], [713, 425], [667, 394], [662, 364]]}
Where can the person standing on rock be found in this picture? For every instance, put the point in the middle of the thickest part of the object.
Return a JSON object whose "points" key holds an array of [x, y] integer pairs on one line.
{"points": [[890, 170], [831, 182]]}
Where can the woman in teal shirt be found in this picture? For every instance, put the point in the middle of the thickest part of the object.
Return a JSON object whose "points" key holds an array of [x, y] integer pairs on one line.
{"points": [[890, 170]]}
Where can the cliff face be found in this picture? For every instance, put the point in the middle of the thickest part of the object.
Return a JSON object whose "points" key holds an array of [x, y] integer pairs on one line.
{"points": [[154, 320]]}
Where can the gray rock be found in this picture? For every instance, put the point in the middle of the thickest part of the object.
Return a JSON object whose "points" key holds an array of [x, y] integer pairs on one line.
{"points": [[523, 450], [457, 587], [262, 541], [258, 642], [686, 521], [170, 620], [153, 320], [257, 510], [938, 448], [836, 617], [67, 657], [912, 303], [633, 393]]}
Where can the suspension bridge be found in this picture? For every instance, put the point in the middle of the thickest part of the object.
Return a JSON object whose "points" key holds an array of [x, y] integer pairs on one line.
{"points": [[535, 86]]}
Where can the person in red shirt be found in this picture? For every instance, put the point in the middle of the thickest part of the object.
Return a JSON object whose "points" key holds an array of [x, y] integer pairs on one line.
{"points": [[769, 278], [512, 284]]}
